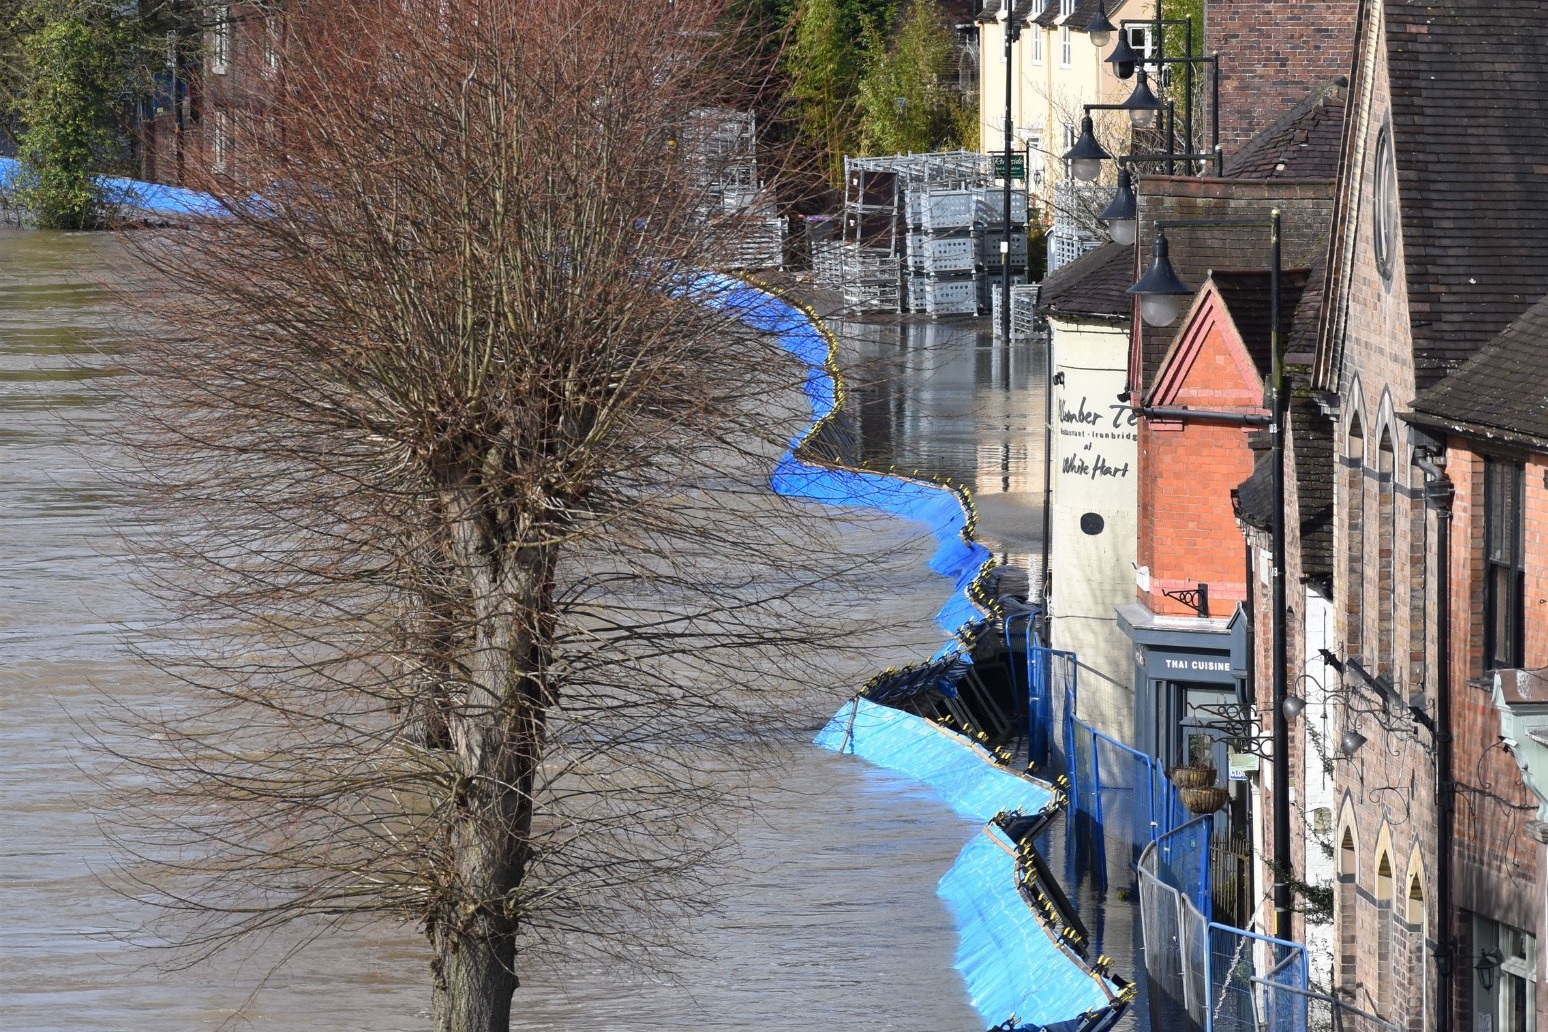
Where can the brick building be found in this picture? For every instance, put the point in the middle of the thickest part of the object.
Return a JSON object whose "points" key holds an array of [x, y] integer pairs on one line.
{"points": [[1438, 245], [1273, 52], [1491, 423]]}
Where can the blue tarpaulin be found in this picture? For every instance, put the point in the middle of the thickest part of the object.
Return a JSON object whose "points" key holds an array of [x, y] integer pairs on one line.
{"points": [[961, 772], [150, 198], [1018, 972], [1011, 961]]}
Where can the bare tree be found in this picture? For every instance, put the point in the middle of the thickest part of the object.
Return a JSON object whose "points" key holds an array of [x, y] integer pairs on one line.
{"points": [[459, 494]]}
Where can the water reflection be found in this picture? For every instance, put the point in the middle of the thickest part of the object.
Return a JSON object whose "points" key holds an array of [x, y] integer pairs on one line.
{"points": [[947, 399]]}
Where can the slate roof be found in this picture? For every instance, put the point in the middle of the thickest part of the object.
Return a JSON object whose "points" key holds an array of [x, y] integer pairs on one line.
{"points": [[1472, 155], [1500, 391], [1084, 11], [1303, 144], [1095, 284], [991, 11], [1245, 295]]}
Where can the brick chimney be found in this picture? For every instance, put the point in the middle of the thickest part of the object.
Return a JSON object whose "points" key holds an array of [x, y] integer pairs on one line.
{"points": [[1272, 53]]}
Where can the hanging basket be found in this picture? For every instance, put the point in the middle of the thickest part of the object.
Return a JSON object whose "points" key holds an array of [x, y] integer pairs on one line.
{"points": [[1204, 800], [1192, 776]]}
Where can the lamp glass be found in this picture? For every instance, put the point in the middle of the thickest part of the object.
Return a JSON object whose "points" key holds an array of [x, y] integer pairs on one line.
{"points": [[1160, 309], [1142, 118], [1100, 37], [1086, 169], [1122, 231]]}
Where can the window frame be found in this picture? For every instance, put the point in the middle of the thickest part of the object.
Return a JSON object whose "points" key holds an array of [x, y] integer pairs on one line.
{"points": [[1504, 563], [220, 40]]}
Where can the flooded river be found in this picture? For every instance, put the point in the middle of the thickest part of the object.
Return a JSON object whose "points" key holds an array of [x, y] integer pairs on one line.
{"points": [[833, 921]]}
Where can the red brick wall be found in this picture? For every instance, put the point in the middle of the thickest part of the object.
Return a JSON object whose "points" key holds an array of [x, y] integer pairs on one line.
{"points": [[1272, 54], [1496, 863], [1187, 470]]}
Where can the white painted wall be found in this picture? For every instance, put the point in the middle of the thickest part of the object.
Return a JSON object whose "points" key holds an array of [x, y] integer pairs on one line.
{"points": [[1318, 731], [1094, 458]]}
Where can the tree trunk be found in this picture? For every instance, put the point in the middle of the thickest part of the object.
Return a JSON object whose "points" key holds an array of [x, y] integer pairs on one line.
{"points": [[474, 979], [496, 734]]}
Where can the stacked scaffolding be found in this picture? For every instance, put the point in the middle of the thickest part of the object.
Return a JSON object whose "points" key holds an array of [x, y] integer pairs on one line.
{"points": [[923, 233], [720, 146], [1023, 310]]}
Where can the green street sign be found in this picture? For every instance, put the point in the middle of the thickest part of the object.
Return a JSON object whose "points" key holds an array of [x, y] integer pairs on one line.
{"points": [[1018, 166]]}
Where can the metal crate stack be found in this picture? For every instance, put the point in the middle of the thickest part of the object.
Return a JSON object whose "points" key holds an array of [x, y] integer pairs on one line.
{"points": [[989, 234], [1023, 310], [721, 147], [941, 252], [914, 234], [871, 258]]}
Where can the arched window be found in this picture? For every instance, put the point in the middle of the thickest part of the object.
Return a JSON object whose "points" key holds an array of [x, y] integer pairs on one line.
{"points": [[1348, 945], [1384, 967], [1386, 553], [1354, 538], [1416, 920]]}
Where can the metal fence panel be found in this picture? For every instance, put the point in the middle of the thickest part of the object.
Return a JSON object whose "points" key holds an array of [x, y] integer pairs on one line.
{"points": [[1182, 861]]}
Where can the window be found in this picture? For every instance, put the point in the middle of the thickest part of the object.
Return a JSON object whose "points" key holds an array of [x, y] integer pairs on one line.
{"points": [[1383, 1000], [1386, 551], [1037, 43], [1066, 49], [1417, 921], [1354, 538], [220, 40], [1348, 946], [1504, 977], [220, 145], [1504, 565], [1384, 208], [271, 31]]}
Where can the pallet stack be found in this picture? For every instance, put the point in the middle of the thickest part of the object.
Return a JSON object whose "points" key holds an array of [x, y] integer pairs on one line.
{"points": [[721, 147], [1023, 310], [922, 232]]}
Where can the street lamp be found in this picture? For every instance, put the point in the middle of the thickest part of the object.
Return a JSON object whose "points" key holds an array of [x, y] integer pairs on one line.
{"points": [[1163, 291], [1142, 104], [1123, 58], [1087, 155], [1350, 742], [1489, 962], [1120, 213], [1012, 34], [1159, 290], [1293, 706], [1099, 29]]}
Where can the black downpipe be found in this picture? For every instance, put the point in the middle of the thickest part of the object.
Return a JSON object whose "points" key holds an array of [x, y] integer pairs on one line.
{"points": [[1438, 492]]}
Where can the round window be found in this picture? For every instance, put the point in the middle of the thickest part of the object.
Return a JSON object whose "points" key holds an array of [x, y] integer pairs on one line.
{"points": [[1384, 210]]}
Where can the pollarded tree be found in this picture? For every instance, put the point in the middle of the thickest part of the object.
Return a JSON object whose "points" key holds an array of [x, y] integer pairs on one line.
{"points": [[460, 488]]}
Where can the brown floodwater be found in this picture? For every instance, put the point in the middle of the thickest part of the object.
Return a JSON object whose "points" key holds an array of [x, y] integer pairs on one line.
{"points": [[830, 917]]}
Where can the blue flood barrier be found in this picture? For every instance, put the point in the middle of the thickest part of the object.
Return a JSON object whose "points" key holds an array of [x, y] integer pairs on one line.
{"points": [[961, 772], [957, 557], [1018, 973], [1001, 942], [152, 198]]}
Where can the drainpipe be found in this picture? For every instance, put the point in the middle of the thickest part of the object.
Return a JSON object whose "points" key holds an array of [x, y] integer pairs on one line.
{"points": [[1438, 493]]}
